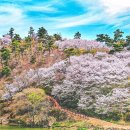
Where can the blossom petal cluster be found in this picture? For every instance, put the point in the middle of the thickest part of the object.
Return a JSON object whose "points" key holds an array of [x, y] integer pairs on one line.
{"points": [[79, 43], [91, 81]]}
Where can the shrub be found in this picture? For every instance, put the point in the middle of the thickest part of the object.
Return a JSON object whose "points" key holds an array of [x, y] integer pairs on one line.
{"points": [[1, 109], [118, 47], [127, 117], [75, 51], [33, 59], [6, 71], [111, 51], [59, 115]]}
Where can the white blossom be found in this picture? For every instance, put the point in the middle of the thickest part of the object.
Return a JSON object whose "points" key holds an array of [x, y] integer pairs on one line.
{"points": [[97, 81], [79, 43]]}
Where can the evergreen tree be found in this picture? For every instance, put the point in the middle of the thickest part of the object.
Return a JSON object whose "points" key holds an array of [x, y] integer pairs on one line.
{"points": [[17, 37], [77, 35], [42, 33], [5, 55], [128, 40], [118, 34], [6, 71], [11, 32], [104, 38], [31, 32], [57, 37], [49, 45]]}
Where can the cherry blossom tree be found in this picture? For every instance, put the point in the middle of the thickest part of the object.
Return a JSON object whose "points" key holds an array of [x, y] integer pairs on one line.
{"points": [[95, 82], [79, 43]]}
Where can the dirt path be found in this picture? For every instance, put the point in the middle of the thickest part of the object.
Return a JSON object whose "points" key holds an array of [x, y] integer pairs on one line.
{"points": [[93, 121]]}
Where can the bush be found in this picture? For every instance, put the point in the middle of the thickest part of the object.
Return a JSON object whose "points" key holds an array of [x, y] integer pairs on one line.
{"points": [[127, 117], [6, 71], [113, 116], [111, 51], [33, 59], [75, 51], [1, 109], [109, 116], [70, 101], [89, 112], [118, 47], [58, 115], [48, 90]]}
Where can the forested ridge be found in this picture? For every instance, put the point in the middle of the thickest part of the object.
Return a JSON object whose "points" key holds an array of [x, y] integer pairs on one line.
{"points": [[87, 77]]}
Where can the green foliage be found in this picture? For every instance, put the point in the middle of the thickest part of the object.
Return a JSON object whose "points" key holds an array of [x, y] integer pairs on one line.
{"points": [[112, 51], [59, 115], [11, 32], [42, 33], [5, 55], [127, 117], [109, 116], [15, 45], [40, 47], [74, 51], [1, 109], [118, 34], [48, 90], [118, 47], [128, 40], [82, 128], [22, 49], [77, 35], [16, 37], [35, 98], [6, 71], [89, 112], [104, 38], [118, 37], [28, 39], [33, 59], [49, 45], [31, 32], [57, 37], [118, 43], [70, 101]]}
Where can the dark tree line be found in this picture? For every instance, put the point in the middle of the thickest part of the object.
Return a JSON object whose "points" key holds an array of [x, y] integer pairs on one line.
{"points": [[118, 42]]}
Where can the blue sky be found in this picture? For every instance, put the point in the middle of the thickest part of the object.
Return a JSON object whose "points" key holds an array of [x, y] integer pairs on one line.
{"points": [[90, 17]]}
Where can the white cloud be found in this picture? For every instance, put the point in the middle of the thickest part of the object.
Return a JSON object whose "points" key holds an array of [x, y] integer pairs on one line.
{"points": [[11, 15], [42, 8], [116, 7], [104, 11], [111, 7], [75, 20], [14, 15]]}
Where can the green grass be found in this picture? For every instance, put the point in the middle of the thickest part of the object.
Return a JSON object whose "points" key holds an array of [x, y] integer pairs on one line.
{"points": [[79, 125]]}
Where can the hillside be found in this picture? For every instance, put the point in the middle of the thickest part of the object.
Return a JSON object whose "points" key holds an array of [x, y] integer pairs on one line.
{"points": [[50, 81]]}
